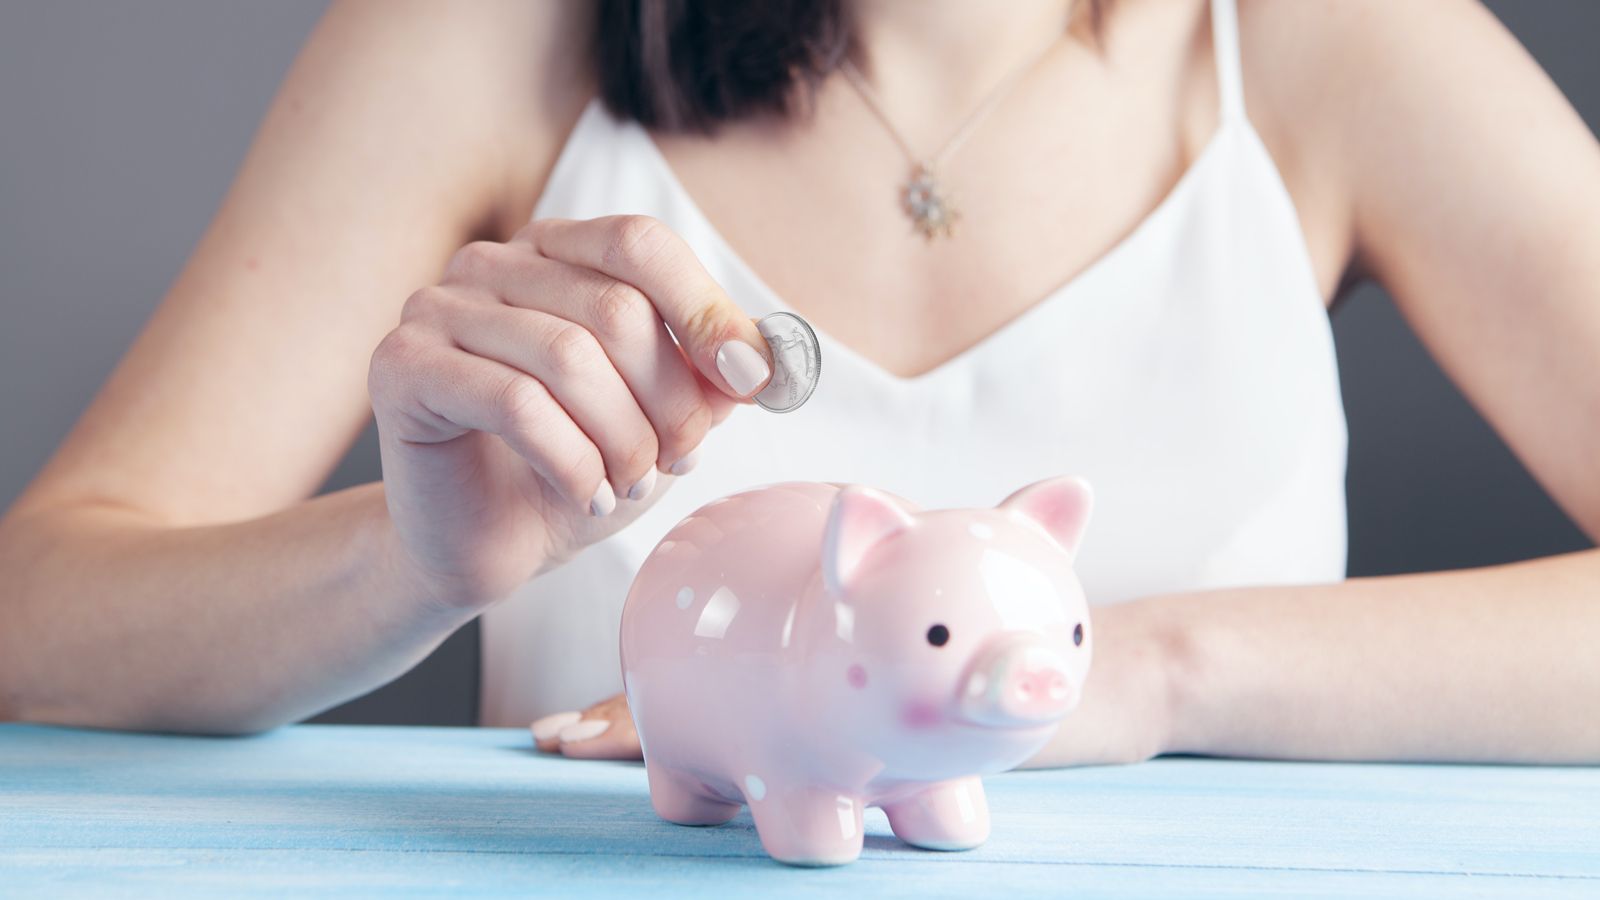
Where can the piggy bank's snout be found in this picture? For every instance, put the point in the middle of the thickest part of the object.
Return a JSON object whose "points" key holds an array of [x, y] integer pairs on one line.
{"points": [[1018, 683]]}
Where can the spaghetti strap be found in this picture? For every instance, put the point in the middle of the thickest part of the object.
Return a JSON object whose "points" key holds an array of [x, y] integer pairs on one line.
{"points": [[1225, 44]]}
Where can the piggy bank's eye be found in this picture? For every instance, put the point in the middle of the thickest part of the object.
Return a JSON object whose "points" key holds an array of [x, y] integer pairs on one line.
{"points": [[1077, 635], [938, 635]]}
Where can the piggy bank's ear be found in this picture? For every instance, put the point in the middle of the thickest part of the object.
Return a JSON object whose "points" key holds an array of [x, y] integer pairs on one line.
{"points": [[1060, 505], [860, 518]]}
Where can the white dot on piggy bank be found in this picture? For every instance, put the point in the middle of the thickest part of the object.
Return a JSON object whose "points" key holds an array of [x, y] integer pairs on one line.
{"points": [[754, 787], [685, 597]]}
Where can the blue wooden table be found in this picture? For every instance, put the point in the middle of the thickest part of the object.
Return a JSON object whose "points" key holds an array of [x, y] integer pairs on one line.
{"points": [[363, 810]]}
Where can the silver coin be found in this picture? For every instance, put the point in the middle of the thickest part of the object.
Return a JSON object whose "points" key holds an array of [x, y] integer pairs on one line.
{"points": [[796, 362]]}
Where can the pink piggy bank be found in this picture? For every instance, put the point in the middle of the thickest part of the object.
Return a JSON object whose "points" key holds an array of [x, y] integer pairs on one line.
{"points": [[814, 649]]}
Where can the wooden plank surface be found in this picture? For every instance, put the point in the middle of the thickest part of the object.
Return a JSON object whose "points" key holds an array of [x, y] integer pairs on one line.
{"points": [[364, 810]]}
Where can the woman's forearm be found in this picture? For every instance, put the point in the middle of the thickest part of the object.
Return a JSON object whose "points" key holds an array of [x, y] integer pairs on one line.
{"points": [[107, 620], [1499, 664]]}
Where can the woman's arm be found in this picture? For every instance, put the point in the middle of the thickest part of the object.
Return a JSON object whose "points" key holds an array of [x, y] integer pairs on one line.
{"points": [[1487, 665], [1475, 197], [1484, 665], [113, 620], [163, 571]]}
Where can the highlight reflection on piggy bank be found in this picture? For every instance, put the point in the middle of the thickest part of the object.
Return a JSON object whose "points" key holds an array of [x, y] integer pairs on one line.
{"points": [[814, 649]]}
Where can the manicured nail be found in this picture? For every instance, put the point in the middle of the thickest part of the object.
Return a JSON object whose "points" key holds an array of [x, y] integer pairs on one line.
{"points": [[642, 488], [584, 730], [604, 500], [684, 465], [742, 367], [548, 727]]}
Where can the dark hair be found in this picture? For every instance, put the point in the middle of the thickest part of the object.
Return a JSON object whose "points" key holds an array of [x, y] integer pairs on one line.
{"points": [[689, 65]]}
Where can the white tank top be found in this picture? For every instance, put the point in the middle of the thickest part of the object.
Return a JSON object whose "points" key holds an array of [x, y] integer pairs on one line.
{"points": [[1188, 374]]}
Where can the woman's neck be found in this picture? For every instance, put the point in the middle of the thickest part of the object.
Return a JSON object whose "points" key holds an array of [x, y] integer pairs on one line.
{"points": [[930, 57]]}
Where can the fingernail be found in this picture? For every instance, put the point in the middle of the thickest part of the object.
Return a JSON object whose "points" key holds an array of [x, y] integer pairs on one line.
{"points": [[642, 488], [741, 366], [548, 727], [684, 465], [604, 500], [584, 730]]}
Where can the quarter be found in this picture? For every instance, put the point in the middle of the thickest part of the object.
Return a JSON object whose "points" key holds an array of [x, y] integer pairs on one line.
{"points": [[796, 362]]}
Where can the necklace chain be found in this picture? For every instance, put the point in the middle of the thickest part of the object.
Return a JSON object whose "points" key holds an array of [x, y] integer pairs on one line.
{"points": [[923, 197]]}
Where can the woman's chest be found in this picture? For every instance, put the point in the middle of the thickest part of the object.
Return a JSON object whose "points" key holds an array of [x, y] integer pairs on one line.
{"points": [[1047, 186], [1058, 179]]}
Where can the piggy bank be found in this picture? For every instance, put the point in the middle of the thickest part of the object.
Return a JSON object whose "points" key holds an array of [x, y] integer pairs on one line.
{"points": [[814, 649]]}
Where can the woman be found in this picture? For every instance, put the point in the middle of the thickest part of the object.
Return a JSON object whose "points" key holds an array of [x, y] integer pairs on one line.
{"points": [[1118, 268]]}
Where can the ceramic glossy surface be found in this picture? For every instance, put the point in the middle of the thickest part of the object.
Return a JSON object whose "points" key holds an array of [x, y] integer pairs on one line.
{"points": [[814, 649]]}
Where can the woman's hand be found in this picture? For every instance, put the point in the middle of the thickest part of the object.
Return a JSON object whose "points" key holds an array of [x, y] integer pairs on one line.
{"points": [[1124, 716], [526, 403], [603, 731]]}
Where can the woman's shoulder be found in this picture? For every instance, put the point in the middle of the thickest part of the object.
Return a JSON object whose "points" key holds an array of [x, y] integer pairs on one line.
{"points": [[489, 88], [1328, 85], [1311, 63]]}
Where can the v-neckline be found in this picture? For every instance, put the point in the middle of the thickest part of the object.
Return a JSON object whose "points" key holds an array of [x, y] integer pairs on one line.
{"points": [[1006, 331]]}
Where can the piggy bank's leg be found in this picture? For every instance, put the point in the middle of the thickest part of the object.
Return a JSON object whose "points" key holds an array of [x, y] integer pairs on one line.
{"points": [[806, 826], [950, 815], [680, 799]]}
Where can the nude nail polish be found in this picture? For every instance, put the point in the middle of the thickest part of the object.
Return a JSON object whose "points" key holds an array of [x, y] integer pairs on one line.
{"points": [[584, 730], [604, 500], [742, 367], [550, 726], [642, 488], [687, 463]]}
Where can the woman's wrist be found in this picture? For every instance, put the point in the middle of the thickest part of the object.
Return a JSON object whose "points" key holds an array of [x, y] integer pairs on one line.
{"points": [[1218, 677], [402, 580], [1172, 645], [1132, 701]]}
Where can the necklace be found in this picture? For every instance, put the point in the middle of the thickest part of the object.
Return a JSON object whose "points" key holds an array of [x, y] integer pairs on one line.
{"points": [[931, 208]]}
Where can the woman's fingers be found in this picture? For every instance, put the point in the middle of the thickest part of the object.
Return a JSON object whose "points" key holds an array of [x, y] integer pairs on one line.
{"points": [[680, 405], [568, 360], [578, 372], [603, 352], [717, 337], [603, 731], [431, 392], [547, 731]]}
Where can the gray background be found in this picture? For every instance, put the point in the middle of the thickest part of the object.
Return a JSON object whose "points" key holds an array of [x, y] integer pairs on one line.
{"points": [[121, 126]]}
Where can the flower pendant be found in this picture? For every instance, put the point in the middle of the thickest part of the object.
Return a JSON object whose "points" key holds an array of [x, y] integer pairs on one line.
{"points": [[930, 209]]}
